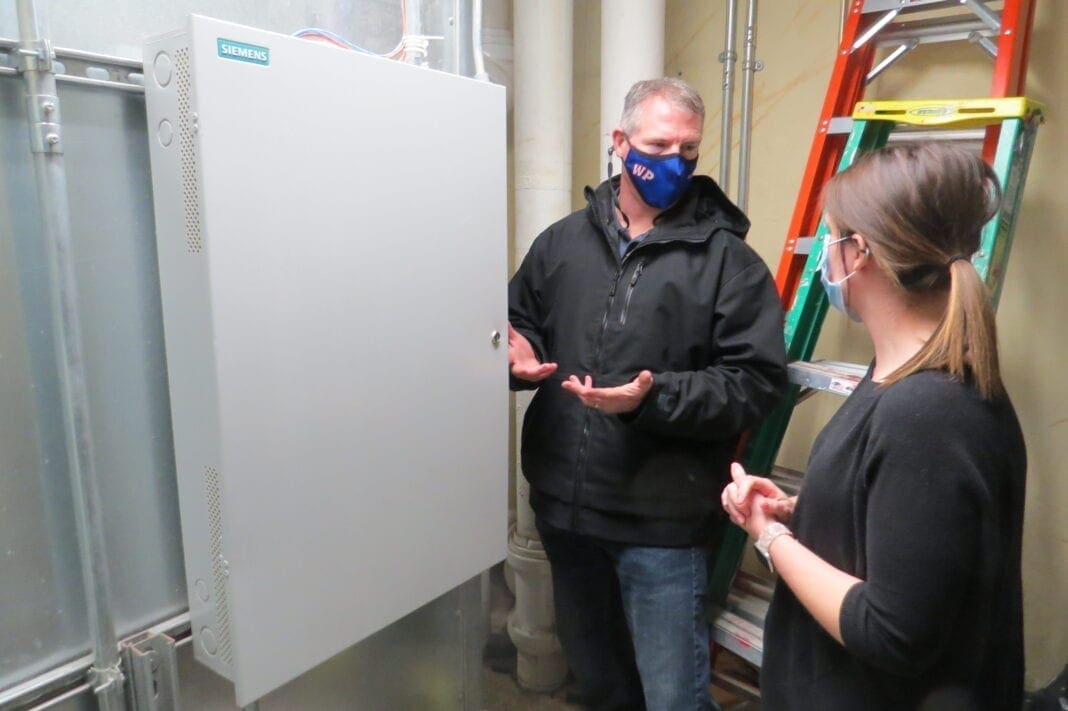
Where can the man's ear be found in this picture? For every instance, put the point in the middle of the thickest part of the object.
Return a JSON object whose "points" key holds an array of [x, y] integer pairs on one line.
{"points": [[619, 143]]}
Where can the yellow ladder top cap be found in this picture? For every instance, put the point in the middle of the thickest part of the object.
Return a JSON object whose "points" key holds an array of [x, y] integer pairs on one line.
{"points": [[956, 113]]}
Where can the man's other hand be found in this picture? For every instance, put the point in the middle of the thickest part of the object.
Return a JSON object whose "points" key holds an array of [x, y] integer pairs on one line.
{"points": [[522, 361], [623, 398]]}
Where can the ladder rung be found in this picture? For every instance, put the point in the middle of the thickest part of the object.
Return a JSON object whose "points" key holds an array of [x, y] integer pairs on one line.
{"points": [[751, 607], [734, 683], [753, 585], [803, 245], [911, 136], [932, 31], [839, 124], [888, 5], [827, 375], [733, 632]]}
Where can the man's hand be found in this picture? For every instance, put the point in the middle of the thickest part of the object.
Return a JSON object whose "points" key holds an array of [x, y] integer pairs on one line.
{"points": [[523, 362], [623, 398]]}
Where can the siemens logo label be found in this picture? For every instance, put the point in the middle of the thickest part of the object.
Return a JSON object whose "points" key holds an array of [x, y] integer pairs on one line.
{"points": [[229, 49]]}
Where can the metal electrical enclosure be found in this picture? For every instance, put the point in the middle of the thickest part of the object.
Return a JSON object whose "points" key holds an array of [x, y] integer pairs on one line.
{"points": [[331, 232]]}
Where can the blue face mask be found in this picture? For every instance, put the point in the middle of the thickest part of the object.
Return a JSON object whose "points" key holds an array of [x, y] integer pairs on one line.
{"points": [[835, 294], [659, 180]]}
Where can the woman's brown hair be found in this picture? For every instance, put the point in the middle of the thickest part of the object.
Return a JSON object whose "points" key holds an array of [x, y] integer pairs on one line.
{"points": [[921, 207]]}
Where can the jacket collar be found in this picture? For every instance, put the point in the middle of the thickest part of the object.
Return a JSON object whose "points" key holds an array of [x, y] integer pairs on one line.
{"points": [[701, 211]]}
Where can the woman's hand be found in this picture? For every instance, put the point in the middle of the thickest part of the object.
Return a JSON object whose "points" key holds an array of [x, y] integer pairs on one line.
{"points": [[755, 501]]}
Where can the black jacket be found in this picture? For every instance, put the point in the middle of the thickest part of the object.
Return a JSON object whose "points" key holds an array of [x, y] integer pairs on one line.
{"points": [[693, 304]]}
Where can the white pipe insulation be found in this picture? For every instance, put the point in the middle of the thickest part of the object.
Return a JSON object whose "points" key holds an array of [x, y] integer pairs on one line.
{"points": [[542, 139], [632, 49]]}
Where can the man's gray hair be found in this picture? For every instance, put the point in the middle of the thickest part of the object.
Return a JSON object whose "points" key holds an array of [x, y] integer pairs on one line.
{"points": [[676, 92]]}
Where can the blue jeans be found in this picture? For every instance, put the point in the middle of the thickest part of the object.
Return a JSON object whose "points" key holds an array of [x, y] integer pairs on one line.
{"points": [[631, 621]]}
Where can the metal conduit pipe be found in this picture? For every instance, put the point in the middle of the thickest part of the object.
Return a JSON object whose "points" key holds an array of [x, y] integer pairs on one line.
{"points": [[750, 67], [727, 57], [413, 22], [65, 679], [542, 138], [476, 41], [46, 144], [625, 61]]}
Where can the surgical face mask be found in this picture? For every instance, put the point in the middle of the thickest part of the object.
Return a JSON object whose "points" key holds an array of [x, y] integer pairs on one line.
{"points": [[835, 294], [659, 180]]}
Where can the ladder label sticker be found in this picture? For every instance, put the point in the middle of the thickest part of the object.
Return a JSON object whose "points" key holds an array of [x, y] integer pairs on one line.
{"points": [[842, 386]]}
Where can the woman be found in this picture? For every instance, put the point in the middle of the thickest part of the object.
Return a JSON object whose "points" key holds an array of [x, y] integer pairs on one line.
{"points": [[899, 572]]}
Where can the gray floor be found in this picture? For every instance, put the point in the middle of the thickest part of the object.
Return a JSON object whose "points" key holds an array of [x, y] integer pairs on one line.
{"points": [[500, 692]]}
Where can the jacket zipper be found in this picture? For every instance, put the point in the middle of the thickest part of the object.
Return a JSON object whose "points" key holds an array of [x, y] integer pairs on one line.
{"points": [[580, 465], [630, 293]]}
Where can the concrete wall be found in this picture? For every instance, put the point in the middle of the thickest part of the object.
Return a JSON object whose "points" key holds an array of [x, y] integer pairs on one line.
{"points": [[797, 41]]}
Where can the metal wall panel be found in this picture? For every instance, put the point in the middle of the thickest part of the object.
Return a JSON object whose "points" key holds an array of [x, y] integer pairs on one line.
{"points": [[428, 661], [42, 607], [43, 620], [111, 217]]}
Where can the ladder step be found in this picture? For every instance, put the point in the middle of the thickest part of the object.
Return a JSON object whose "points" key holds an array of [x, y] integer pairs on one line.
{"points": [[740, 627], [750, 607], [933, 31], [838, 125], [911, 135], [734, 683], [747, 582], [738, 635], [912, 5], [827, 375]]}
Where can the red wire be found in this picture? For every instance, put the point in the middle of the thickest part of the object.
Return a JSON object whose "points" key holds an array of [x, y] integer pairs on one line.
{"points": [[397, 51]]}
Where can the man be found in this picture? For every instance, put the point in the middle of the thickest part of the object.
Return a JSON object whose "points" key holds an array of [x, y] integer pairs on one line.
{"points": [[653, 334]]}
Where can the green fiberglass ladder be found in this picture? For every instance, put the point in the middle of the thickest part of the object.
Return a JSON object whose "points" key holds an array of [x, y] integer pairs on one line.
{"points": [[743, 599]]}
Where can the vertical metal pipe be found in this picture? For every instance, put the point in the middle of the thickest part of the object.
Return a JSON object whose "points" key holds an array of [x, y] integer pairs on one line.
{"points": [[728, 57], [749, 69], [459, 42], [413, 20], [46, 144], [476, 41]]}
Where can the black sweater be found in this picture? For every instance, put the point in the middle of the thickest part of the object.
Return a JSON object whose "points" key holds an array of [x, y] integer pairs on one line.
{"points": [[917, 489], [693, 304]]}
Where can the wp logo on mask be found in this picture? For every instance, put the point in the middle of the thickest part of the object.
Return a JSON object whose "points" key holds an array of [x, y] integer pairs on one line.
{"points": [[642, 172]]}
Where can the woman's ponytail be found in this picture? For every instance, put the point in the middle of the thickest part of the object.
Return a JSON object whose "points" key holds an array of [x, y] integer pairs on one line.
{"points": [[965, 341]]}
